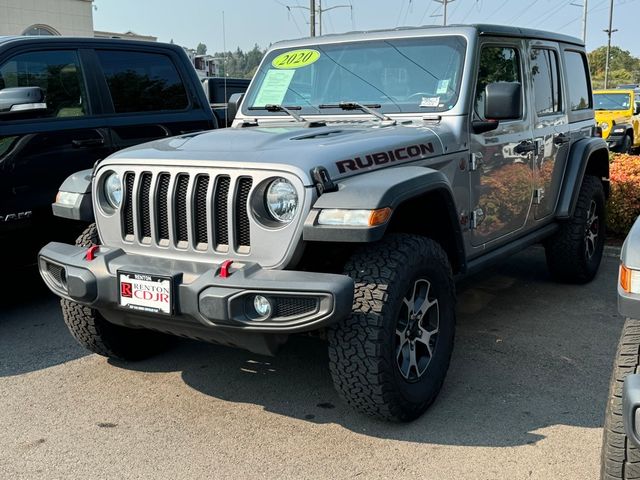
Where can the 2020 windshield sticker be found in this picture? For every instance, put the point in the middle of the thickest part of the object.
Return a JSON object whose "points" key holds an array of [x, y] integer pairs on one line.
{"points": [[296, 59], [274, 87]]}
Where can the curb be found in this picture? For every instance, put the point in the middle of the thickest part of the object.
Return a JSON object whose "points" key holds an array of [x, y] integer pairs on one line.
{"points": [[612, 251]]}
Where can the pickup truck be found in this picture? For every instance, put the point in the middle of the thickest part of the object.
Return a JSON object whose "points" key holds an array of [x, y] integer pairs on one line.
{"points": [[218, 90], [66, 103]]}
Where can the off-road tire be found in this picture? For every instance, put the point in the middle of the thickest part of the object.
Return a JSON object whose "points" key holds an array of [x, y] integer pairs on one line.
{"points": [[98, 335], [620, 459], [567, 258], [627, 145], [362, 352]]}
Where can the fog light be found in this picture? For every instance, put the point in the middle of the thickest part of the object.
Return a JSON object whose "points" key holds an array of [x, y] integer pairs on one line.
{"points": [[262, 306]]}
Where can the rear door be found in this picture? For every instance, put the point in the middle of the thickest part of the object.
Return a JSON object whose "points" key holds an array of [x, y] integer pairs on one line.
{"points": [[40, 148], [148, 97], [551, 131]]}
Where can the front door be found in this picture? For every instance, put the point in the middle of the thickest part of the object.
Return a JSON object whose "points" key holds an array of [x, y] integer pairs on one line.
{"points": [[502, 159]]}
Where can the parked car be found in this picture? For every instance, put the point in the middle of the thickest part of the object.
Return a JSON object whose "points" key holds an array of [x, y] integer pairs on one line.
{"points": [[362, 173], [218, 90], [621, 439], [618, 115], [67, 102]]}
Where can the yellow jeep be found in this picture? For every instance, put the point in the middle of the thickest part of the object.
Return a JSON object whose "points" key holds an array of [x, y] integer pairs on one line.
{"points": [[618, 115]]}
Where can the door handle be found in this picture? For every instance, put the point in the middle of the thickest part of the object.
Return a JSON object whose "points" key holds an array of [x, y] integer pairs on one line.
{"points": [[560, 139], [90, 142], [524, 147]]}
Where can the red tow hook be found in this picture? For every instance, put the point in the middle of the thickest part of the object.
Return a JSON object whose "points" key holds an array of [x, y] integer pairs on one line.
{"points": [[225, 269], [91, 252]]}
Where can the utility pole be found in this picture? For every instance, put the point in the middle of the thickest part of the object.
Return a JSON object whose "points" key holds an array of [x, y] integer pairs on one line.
{"points": [[585, 10], [444, 3], [609, 32], [317, 11]]}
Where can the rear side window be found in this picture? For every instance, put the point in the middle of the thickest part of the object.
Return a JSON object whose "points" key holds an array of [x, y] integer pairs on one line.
{"points": [[546, 81], [142, 82], [579, 98], [57, 73]]}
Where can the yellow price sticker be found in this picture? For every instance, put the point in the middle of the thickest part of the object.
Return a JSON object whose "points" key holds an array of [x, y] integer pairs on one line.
{"points": [[296, 59]]}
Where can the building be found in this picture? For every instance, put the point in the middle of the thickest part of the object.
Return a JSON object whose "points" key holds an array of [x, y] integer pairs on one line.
{"points": [[205, 65], [46, 17], [126, 35]]}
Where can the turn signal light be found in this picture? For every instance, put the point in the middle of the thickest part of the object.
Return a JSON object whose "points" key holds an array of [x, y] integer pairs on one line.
{"points": [[629, 279], [354, 218]]}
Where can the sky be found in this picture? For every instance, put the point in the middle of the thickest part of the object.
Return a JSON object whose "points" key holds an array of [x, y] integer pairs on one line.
{"points": [[247, 22]]}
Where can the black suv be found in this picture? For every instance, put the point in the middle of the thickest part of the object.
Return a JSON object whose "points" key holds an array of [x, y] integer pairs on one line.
{"points": [[67, 102]]}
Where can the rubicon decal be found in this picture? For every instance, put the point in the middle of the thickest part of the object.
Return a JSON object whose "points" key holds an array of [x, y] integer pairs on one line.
{"points": [[381, 158]]}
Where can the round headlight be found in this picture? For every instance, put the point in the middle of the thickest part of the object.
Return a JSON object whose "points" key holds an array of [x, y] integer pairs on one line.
{"points": [[604, 126], [113, 190], [282, 200]]}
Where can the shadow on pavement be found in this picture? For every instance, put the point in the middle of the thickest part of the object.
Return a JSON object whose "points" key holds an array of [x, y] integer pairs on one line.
{"points": [[529, 354], [33, 335]]}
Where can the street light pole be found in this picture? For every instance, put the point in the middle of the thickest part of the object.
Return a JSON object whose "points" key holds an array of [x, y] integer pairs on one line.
{"points": [[445, 4], [609, 32], [585, 10], [312, 21]]}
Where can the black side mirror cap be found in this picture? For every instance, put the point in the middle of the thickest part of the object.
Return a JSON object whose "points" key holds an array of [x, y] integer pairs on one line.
{"points": [[503, 101], [483, 126], [233, 106]]}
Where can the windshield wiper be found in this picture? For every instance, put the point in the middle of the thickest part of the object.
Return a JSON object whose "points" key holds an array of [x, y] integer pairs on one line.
{"points": [[359, 106], [281, 108]]}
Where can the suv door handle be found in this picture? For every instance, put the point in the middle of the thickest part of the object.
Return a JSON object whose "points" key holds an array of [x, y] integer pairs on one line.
{"points": [[90, 142], [524, 147], [560, 139]]}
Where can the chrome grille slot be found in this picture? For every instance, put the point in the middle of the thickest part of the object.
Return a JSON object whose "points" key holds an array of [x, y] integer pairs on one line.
{"points": [[144, 203], [127, 207], [221, 206], [200, 203], [242, 225], [180, 209], [162, 204]]}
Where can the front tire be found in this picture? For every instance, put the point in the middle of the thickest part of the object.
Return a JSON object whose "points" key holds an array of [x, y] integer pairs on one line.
{"points": [[97, 335], [620, 459], [574, 253], [389, 358]]}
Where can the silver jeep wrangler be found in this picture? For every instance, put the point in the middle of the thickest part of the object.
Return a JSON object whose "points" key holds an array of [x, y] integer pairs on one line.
{"points": [[362, 174]]}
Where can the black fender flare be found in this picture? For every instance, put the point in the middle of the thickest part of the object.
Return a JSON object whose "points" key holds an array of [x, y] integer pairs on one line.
{"points": [[587, 156], [79, 183], [390, 187]]}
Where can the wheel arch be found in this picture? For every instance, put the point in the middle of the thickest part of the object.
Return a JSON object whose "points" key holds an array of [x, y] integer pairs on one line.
{"points": [[588, 156]]}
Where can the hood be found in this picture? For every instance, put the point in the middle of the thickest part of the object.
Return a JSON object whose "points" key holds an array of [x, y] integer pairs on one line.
{"points": [[343, 149]]}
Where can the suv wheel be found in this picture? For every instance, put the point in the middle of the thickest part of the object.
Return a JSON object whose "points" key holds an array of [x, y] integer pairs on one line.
{"points": [[575, 251], [620, 459], [98, 335], [389, 358]]}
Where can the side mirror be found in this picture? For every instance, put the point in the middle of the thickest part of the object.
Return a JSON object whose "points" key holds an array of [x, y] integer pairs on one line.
{"points": [[503, 101], [233, 106], [21, 99]]}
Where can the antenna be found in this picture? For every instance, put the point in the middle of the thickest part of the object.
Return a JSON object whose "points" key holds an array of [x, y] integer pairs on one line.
{"points": [[224, 65]]}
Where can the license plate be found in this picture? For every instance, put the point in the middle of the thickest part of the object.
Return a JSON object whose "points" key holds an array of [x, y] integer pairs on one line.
{"points": [[145, 293]]}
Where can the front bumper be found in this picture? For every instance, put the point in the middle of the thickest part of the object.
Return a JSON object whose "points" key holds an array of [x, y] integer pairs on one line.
{"points": [[206, 305], [615, 142]]}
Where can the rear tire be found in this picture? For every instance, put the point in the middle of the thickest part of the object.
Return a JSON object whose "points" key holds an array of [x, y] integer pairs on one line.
{"points": [[574, 252], [97, 335], [385, 361], [620, 459]]}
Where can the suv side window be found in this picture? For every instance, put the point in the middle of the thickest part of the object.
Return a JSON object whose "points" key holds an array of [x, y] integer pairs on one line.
{"points": [[579, 97], [142, 82], [497, 64], [57, 73], [546, 81]]}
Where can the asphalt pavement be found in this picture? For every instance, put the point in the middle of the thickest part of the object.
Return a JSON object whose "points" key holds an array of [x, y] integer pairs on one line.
{"points": [[524, 397]]}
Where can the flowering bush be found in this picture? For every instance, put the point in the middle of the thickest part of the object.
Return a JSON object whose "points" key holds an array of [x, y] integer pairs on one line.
{"points": [[624, 202]]}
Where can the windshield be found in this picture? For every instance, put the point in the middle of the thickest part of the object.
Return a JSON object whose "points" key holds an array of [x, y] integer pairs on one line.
{"points": [[394, 76], [612, 101]]}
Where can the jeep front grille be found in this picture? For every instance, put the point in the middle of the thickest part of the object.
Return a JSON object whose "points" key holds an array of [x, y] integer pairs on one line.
{"points": [[188, 210]]}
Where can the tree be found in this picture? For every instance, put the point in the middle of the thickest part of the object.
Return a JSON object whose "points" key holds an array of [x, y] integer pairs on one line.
{"points": [[623, 67], [201, 49]]}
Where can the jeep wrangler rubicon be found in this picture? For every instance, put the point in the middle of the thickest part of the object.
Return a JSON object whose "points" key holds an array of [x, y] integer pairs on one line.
{"points": [[362, 174]]}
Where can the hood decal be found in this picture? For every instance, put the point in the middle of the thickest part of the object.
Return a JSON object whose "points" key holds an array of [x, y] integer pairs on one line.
{"points": [[411, 152]]}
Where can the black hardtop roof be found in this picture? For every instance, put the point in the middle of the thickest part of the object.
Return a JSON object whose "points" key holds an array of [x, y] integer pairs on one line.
{"points": [[480, 29], [19, 40]]}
